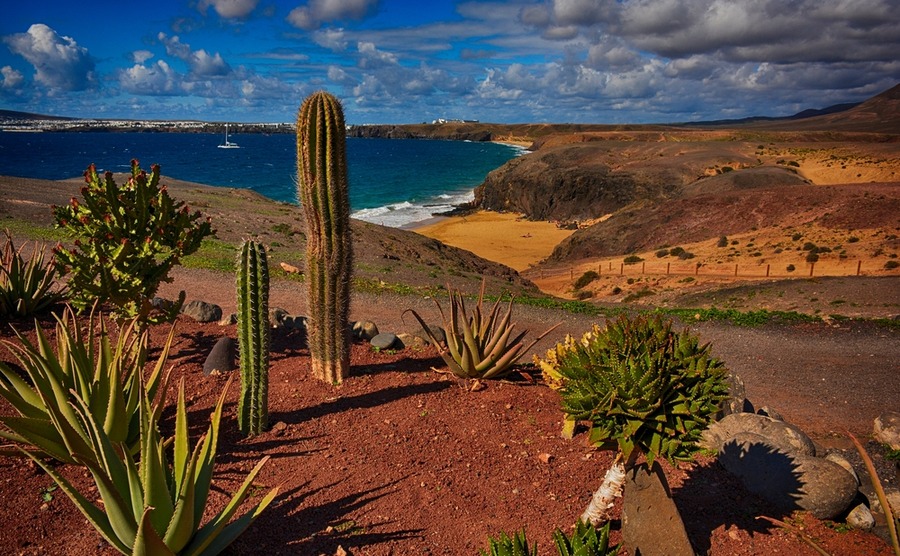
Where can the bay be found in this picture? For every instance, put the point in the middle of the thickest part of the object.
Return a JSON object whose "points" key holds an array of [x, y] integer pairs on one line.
{"points": [[394, 182]]}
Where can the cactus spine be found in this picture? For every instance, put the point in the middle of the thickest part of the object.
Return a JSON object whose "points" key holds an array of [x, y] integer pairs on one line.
{"points": [[253, 338], [322, 164]]}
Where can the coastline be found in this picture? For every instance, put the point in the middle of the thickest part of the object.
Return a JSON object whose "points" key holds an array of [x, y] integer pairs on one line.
{"points": [[502, 237]]}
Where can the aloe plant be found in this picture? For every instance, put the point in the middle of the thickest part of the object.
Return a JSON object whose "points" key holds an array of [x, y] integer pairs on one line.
{"points": [[891, 515], [322, 183], [517, 545], [106, 376], [645, 389], [480, 345], [26, 286], [152, 505], [253, 337], [586, 540]]}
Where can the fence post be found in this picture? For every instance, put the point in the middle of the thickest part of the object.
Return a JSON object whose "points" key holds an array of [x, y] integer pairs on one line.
{"points": [[811, 267], [599, 269], [667, 268], [643, 267], [697, 270], [858, 267], [572, 273], [767, 270], [735, 270], [621, 269]]}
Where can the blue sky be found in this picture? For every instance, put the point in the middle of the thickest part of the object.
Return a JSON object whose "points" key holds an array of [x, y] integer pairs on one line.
{"points": [[408, 61]]}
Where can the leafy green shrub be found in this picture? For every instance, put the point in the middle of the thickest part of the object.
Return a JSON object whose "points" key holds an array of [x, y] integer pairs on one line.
{"points": [[105, 376], [26, 287], [723, 242], [662, 253], [891, 265], [151, 505], [643, 386], [852, 239], [684, 255], [812, 257], [583, 294], [632, 259], [586, 279], [809, 246], [676, 251], [128, 238], [791, 268], [478, 346], [796, 236]]}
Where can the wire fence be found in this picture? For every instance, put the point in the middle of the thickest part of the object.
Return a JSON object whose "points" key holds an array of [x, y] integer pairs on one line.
{"points": [[716, 270]]}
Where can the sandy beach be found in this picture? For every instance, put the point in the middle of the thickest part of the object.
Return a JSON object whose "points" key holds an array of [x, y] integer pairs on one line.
{"points": [[500, 237]]}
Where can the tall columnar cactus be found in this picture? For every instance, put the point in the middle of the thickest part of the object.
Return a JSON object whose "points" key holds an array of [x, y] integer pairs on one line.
{"points": [[253, 337], [322, 169]]}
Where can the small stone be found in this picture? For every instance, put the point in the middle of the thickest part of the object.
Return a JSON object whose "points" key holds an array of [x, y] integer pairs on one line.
{"points": [[411, 342], [545, 457], [279, 428], [364, 330], [861, 518], [276, 315], [229, 320], [289, 268], [887, 429]]}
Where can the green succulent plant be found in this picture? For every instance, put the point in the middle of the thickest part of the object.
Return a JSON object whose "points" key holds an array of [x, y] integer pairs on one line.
{"points": [[517, 545], [154, 505], [127, 239], [26, 286], [323, 192], [642, 386], [253, 337], [105, 375], [479, 345], [586, 540]]}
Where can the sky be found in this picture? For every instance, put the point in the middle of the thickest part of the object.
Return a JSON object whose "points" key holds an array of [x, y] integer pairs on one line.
{"points": [[412, 61]]}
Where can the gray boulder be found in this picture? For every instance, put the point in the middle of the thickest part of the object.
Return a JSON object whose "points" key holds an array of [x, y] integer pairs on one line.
{"points": [[786, 437], [887, 429], [438, 332], [861, 518], [222, 357], [412, 342], [385, 340], [276, 315], [201, 311], [790, 481], [737, 401]]}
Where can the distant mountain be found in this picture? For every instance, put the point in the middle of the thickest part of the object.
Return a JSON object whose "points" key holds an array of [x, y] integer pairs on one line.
{"points": [[808, 113], [879, 114]]}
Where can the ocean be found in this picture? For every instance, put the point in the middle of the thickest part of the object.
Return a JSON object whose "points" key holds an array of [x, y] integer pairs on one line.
{"points": [[394, 182]]}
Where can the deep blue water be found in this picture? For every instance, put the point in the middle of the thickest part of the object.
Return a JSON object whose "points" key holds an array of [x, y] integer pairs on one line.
{"points": [[392, 181]]}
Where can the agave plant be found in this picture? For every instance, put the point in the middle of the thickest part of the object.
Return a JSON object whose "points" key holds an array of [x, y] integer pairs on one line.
{"points": [[517, 545], [154, 506], [478, 346], [26, 286], [108, 378]]}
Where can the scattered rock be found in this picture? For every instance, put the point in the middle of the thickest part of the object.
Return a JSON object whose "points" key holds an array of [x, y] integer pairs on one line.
{"points": [[737, 401], [651, 524], [201, 311], [276, 315], [436, 330], [364, 330], [861, 518], [279, 428], [228, 320], [385, 340], [767, 411], [887, 429], [289, 268], [545, 457], [790, 481], [293, 322], [839, 459], [412, 342], [222, 357], [784, 436]]}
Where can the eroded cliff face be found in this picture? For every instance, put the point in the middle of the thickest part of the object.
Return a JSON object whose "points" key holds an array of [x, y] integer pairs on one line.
{"points": [[583, 181]]}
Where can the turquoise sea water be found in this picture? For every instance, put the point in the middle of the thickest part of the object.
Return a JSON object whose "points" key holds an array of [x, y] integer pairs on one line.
{"points": [[392, 181]]}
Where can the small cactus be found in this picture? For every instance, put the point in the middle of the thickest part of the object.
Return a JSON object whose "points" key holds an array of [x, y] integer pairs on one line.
{"points": [[253, 338], [322, 177]]}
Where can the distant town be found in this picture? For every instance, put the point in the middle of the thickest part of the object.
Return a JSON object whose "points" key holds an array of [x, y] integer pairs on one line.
{"points": [[22, 122]]}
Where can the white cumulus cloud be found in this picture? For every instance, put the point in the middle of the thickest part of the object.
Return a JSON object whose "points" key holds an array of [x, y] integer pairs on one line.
{"points": [[201, 62], [58, 61], [12, 77], [230, 9]]}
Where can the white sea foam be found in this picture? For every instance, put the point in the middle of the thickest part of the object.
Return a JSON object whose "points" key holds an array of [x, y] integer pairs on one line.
{"points": [[405, 213]]}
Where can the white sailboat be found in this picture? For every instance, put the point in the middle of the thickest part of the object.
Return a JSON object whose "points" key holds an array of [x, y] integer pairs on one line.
{"points": [[228, 144]]}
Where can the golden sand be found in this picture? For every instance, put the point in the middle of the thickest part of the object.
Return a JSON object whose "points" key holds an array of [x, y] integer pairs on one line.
{"points": [[500, 237]]}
